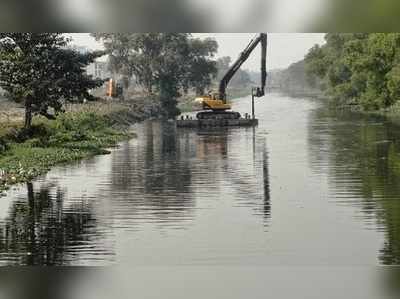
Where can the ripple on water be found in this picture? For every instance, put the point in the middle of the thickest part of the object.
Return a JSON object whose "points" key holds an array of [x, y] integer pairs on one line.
{"points": [[309, 186]]}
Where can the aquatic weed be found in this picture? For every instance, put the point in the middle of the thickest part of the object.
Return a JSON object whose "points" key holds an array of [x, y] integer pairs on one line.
{"points": [[72, 136]]}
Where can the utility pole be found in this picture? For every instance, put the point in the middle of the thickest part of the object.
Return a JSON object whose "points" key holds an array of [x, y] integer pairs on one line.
{"points": [[252, 104]]}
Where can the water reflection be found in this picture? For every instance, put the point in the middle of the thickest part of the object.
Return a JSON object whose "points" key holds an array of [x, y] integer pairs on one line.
{"points": [[161, 176], [41, 230], [362, 157], [267, 199], [158, 184], [205, 198], [225, 154], [150, 181]]}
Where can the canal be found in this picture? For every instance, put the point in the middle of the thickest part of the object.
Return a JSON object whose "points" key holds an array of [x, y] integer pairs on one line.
{"points": [[310, 187]]}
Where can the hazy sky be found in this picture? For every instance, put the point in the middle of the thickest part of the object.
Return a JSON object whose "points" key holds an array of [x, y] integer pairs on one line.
{"points": [[283, 48]]}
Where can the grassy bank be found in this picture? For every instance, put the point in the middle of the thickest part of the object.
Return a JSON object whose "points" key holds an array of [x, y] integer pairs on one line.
{"points": [[81, 132]]}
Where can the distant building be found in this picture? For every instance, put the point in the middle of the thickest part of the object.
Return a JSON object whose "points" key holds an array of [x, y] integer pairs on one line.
{"points": [[98, 69]]}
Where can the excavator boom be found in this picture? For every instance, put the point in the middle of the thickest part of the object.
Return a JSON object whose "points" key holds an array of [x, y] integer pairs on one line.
{"points": [[262, 38]]}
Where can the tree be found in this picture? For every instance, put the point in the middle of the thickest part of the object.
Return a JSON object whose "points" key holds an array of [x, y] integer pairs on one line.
{"points": [[359, 68], [201, 69], [223, 64], [39, 71], [118, 48], [166, 63]]}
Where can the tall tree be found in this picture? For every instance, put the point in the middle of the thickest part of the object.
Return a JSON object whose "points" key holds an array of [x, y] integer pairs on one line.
{"points": [[118, 48], [166, 63], [40, 71], [201, 69]]}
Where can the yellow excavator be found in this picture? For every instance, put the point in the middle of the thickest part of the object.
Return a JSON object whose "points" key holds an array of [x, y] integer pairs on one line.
{"points": [[215, 103]]}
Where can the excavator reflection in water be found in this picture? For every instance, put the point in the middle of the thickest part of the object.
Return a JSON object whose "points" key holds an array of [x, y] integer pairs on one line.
{"points": [[215, 103], [214, 145]]}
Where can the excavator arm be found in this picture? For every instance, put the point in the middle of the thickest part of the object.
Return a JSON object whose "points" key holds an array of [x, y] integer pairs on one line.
{"points": [[262, 38], [215, 104]]}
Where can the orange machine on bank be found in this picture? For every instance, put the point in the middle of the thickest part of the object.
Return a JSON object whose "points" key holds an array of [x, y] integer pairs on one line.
{"points": [[113, 89]]}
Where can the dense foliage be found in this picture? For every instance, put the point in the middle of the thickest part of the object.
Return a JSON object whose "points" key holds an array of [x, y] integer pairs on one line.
{"points": [[166, 63], [41, 72], [358, 68]]}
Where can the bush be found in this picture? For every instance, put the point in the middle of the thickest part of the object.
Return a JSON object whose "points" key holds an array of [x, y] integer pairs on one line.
{"points": [[74, 135]]}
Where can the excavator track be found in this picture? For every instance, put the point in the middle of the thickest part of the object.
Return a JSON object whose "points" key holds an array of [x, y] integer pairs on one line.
{"points": [[218, 115]]}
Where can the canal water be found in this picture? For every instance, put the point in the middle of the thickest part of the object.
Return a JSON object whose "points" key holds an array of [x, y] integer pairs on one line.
{"points": [[309, 188]]}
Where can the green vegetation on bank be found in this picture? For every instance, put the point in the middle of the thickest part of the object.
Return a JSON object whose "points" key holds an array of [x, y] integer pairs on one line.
{"points": [[72, 136], [41, 75], [358, 69]]}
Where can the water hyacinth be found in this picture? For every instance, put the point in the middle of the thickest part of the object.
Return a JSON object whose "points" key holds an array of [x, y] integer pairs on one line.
{"points": [[73, 136]]}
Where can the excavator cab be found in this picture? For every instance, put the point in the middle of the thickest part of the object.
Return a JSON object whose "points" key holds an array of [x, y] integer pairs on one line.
{"points": [[215, 107], [213, 101]]}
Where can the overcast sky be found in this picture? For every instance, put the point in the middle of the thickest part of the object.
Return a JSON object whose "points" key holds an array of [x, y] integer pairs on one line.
{"points": [[283, 48]]}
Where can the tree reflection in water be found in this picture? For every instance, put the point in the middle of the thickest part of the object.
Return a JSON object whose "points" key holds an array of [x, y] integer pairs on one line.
{"points": [[40, 231], [149, 180], [238, 159], [362, 155], [154, 178], [164, 177], [221, 160]]}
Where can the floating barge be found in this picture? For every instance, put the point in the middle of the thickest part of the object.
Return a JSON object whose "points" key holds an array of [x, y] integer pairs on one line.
{"points": [[200, 123]]}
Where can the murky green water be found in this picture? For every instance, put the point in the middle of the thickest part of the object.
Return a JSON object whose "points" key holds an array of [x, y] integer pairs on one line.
{"points": [[309, 187]]}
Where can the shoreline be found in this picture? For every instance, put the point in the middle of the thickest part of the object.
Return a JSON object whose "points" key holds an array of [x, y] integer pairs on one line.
{"points": [[71, 137]]}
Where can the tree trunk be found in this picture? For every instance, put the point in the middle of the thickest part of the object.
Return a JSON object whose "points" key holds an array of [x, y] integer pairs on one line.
{"points": [[28, 113]]}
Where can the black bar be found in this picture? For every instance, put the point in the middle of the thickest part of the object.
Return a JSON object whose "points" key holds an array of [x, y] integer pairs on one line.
{"points": [[252, 104]]}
